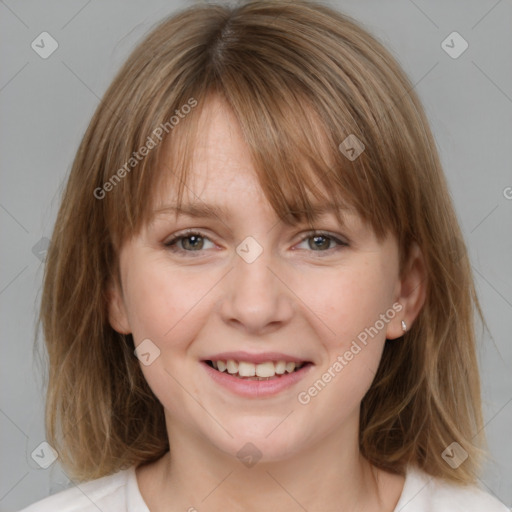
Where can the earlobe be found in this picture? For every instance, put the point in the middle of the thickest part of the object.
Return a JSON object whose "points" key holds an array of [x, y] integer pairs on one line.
{"points": [[117, 316], [411, 294]]}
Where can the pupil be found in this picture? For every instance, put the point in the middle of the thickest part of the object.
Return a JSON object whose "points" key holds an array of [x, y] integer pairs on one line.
{"points": [[319, 238], [193, 244]]}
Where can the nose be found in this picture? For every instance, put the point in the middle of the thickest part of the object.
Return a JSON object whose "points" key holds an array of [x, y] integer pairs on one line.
{"points": [[255, 297]]}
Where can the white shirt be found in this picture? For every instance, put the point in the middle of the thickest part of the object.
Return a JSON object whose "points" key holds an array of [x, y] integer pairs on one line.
{"points": [[120, 492]]}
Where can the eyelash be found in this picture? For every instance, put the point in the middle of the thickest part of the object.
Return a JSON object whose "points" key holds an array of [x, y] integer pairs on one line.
{"points": [[171, 244]]}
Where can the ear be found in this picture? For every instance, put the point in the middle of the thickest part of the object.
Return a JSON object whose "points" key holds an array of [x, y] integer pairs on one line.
{"points": [[117, 316], [411, 293]]}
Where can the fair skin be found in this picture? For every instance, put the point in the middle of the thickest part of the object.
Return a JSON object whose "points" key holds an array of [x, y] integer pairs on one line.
{"points": [[296, 299]]}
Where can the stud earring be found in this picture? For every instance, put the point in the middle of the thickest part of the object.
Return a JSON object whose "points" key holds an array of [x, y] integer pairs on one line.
{"points": [[404, 326]]}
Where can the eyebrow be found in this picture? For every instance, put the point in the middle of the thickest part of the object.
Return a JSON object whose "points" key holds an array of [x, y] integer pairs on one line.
{"points": [[201, 210]]}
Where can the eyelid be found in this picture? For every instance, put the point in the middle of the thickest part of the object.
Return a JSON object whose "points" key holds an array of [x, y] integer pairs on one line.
{"points": [[322, 232]]}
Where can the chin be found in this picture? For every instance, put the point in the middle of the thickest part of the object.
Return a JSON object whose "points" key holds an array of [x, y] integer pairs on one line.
{"points": [[259, 440]]}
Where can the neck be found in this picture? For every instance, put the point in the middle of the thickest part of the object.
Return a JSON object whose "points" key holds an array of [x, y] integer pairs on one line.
{"points": [[331, 475]]}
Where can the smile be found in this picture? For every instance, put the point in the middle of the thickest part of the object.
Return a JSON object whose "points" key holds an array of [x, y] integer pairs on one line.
{"points": [[250, 371], [256, 380]]}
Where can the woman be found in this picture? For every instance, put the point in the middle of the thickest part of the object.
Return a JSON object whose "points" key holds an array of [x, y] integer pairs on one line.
{"points": [[257, 294]]}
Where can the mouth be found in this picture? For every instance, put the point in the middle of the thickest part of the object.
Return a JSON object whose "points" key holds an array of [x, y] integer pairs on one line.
{"points": [[268, 370]]}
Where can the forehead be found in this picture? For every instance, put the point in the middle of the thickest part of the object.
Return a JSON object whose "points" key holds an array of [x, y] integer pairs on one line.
{"points": [[216, 142], [219, 158], [209, 169]]}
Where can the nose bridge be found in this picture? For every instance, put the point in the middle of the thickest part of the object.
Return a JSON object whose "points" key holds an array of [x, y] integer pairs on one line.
{"points": [[255, 296], [252, 265]]}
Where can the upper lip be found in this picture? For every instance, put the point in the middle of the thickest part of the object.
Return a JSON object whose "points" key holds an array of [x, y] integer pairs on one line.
{"points": [[262, 357]]}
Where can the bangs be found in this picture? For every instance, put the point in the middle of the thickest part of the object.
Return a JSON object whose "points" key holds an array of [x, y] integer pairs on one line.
{"points": [[292, 161], [314, 138], [298, 164]]}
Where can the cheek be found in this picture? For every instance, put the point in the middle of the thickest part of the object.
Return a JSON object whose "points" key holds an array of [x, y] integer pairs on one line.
{"points": [[351, 300], [150, 304], [165, 307], [162, 301], [351, 304]]}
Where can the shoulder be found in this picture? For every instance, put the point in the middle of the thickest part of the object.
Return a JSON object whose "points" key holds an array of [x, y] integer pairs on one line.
{"points": [[110, 492], [424, 493]]}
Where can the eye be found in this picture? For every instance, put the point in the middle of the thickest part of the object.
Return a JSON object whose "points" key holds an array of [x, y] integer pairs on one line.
{"points": [[194, 241], [190, 241], [321, 241]]}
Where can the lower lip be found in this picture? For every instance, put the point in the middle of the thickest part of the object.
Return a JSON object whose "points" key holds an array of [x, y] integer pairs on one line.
{"points": [[257, 388]]}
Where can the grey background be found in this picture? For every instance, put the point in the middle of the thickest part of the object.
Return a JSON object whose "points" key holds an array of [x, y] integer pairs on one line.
{"points": [[46, 105]]}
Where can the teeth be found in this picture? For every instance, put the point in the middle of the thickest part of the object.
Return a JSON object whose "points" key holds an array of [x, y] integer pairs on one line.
{"points": [[265, 369], [254, 371], [246, 369], [280, 367], [290, 367], [232, 366]]}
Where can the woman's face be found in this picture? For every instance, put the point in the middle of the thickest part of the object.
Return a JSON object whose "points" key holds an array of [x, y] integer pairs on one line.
{"points": [[247, 284]]}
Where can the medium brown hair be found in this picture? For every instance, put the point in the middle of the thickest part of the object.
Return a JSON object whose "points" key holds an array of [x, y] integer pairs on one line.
{"points": [[300, 78]]}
